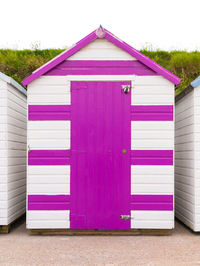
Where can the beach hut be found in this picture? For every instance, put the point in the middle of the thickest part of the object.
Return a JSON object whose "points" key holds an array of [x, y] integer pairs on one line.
{"points": [[100, 139], [187, 153], [12, 151]]}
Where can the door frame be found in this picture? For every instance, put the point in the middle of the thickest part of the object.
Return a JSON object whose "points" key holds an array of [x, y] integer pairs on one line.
{"points": [[131, 78]]}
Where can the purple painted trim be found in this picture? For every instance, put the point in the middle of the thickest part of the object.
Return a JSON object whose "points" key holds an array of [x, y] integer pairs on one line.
{"points": [[49, 157], [48, 198], [53, 206], [142, 58], [152, 198], [152, 112], [152, 202], [49, 112], [99, 67], [152, 206], [58, 59], [152, 157], [48, 202], [152, 108], [109, 36]]}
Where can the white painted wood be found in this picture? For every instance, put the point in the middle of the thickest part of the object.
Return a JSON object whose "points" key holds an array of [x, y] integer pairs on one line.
{"points": [[49, 135], [48, 219], [47, 179], [152, 220], [185, 164], [152, 135], [12, 151], [47, 188], [101, 49], [148, 90]]}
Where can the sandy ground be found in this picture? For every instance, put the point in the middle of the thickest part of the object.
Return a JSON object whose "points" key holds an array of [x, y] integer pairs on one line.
{"points": [[19, 248]]}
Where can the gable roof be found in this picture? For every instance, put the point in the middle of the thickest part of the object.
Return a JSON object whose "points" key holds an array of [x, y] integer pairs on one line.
{"points": [[13, 83], [195, 83], [113, 39]]}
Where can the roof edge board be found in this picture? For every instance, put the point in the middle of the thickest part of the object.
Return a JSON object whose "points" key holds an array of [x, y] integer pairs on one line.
{"points": [[113, 39], [13, 83]]}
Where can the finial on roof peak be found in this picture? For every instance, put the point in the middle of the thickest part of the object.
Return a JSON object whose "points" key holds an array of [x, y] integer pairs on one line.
{"points": [[100, 32]]}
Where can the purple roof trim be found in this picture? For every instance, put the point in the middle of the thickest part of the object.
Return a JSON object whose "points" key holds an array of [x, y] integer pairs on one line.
{"points": [[110, 37]]}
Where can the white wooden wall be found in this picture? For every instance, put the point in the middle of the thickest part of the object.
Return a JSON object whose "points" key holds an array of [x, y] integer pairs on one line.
{"points": [[101, 49], [145, 135], [152, 135], [184, 160], [13, 153], [187, 175], [147, 90], [48, 135]]}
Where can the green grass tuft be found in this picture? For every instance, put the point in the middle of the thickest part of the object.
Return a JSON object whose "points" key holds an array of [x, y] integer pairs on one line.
{"points": [[21, 63]]}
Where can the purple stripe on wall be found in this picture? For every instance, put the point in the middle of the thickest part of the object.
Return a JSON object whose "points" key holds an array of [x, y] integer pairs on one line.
{"points": [[52, 206], [152, 198], [48, 202], [49, 157], [152, 157], [49, 198], [101, 67], [49, 112], [152, 206], [152, 202], [152, 112]]}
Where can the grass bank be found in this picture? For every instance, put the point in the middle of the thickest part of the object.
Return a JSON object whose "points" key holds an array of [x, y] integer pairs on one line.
{"points": [[21, 63]]}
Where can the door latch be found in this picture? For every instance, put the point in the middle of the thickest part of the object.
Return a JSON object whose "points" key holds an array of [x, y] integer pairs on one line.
{"points": [[126, 217], [126, 88]]}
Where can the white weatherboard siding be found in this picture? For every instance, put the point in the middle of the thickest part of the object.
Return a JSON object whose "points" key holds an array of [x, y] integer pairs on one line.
{"points": [[197, 156], [152, 219], [152, 179], [48, 179], [152, 135], [152, 90], [185, 165], [12, 153], [147, 90], [49, 135], [48, 219], [101, 49], [3, 153]]}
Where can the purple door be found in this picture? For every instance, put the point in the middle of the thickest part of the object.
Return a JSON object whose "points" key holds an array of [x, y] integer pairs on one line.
{"points": [[100, 165]]}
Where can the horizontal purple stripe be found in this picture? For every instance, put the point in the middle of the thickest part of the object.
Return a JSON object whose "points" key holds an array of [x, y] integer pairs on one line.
{"points": [[52, 206], [101, 67], [99, 63], [152, 112], [152, 108], [48, 202], [152, 202], [49, 157], [152, 198], [49, 153], [49, 112], [49, 108], [48, 198], [152, 206], [152, 157]]}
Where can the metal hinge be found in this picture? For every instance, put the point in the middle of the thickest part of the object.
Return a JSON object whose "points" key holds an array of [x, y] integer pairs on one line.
{"points": [[126, 217]]}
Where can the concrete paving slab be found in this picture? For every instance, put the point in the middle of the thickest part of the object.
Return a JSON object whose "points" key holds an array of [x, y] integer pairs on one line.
{"points": [[19, 249]]}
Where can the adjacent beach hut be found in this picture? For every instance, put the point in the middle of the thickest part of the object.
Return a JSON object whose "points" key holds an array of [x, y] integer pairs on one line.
{"points": [[100, 139], [187, 167], [12, 151]]}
